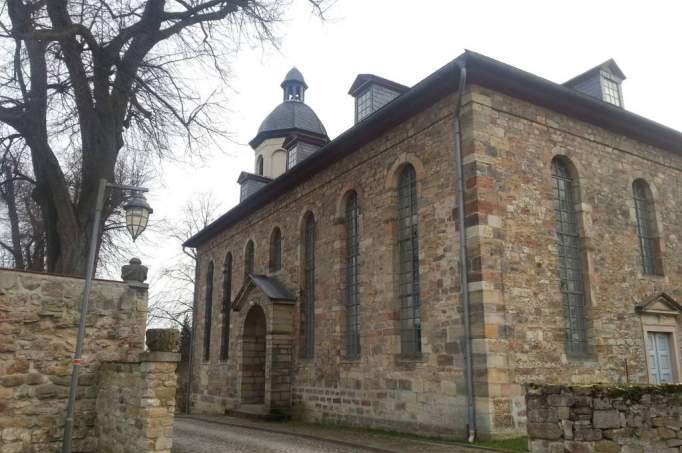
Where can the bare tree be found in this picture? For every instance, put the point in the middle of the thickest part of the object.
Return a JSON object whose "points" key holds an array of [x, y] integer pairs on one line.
{"points": [[172, 291], [78, 80]]}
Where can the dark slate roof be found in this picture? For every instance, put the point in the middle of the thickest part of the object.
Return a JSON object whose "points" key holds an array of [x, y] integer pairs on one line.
{"points": [[481, 70], [272, 287], [362, 80], [294, 75], [243, 176], [609, 66], [289, 116]]}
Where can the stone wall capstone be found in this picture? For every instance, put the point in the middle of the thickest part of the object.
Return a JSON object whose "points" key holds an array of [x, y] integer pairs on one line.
{"points": [[604, 419]]}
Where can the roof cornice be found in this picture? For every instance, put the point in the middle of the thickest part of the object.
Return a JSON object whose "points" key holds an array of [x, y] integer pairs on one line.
{"points": [[481, 70]]}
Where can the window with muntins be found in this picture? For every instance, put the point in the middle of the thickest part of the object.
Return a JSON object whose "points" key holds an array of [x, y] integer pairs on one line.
{"points": [[208, 311], [570, 249], [363, 104], [227, 294], [248, 260], [308, 305], [408, 272], [352, 270], [292, 157], [647, 229], [276, 250], [610, 90]]}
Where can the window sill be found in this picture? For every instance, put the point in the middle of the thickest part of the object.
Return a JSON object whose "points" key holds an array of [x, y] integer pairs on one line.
{"points": [[655, 277], [411, 358], [581, 356], [352, 360]]}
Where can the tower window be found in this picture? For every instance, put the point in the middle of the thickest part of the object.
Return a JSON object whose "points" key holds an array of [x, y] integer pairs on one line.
{"points": [[208, 311], [408, 251], [352, 271], [259, 166], [292, 157], [570, 250], [227, 294], [647, 229], [308, 305]]}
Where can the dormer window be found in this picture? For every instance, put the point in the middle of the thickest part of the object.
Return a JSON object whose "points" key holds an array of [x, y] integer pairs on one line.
{"points": [[372, 92], [364, 105], [291, 157], [610, 90]]}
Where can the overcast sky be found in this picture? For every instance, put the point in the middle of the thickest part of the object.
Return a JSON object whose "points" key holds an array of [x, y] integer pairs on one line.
{"points": [[405, 42]]}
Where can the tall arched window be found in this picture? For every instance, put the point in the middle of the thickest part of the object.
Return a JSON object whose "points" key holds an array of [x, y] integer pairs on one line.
{"points": [[208, 311], [647, 229], [571, 259], [227, 294], [276, 250], [259, 166], [248, 259], [308, 305], [352, 269], [408, 272]]}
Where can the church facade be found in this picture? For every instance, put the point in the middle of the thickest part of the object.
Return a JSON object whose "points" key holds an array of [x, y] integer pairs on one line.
{"points": [[333, 290]]}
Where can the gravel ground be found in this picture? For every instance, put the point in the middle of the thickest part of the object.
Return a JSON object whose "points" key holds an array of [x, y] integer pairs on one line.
{"points": [[195, 436]]}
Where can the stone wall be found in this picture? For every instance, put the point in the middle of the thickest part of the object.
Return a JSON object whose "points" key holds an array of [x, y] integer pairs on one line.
{"points": [[519, 323], [431, 385], [38, 326], [604, 419], [39, 316], [136, 404]]}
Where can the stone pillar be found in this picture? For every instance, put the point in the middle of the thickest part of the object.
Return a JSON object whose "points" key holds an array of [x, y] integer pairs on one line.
{"points": [[136, 400]]}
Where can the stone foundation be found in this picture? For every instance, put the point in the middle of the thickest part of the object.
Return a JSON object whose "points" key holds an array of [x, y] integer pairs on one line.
{"points": [[604, 419]]}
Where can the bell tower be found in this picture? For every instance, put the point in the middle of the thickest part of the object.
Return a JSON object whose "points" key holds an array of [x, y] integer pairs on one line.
{"points": [[294, 86]]}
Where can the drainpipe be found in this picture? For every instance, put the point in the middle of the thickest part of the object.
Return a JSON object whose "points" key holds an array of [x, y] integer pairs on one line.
{"points": [[188, 404], [464, 280]]}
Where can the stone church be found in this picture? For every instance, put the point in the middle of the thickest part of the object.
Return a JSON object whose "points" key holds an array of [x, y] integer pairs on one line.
{"points": [[482, 229]]}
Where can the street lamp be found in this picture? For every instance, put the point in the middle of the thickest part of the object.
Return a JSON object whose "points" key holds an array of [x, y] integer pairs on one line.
{"points": [[137, 215]]}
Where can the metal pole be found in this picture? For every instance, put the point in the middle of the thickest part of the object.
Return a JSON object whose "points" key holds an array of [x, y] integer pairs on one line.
{"points": [[92, 253]]}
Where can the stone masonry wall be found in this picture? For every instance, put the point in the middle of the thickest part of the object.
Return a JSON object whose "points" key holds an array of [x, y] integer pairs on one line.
{"points": [[136, 404], [518, 318], [380, 388], [38, 326], [604, 419]]}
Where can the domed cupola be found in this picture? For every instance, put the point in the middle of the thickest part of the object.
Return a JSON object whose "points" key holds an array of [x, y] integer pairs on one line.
{"points": [[293, 115], [294, 85]]}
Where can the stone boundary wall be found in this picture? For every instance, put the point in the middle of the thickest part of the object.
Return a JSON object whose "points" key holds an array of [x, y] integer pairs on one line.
{"points": [[604, 419], [136, 404]]}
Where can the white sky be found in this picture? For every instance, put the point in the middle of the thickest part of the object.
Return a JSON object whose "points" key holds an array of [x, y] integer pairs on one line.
{"points": [[406, 41]]}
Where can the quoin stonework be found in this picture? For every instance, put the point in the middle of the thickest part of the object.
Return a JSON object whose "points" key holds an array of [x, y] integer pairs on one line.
{"points": [[332, 290]]}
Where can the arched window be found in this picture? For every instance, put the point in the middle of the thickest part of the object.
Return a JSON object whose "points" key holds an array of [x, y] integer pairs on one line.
{"points": [[647, 229], [571, 259], [408, 272], [308, 305], [352, 269], [248, 259], [208, 311], [276, 250], [259, 166], [227, 295]]}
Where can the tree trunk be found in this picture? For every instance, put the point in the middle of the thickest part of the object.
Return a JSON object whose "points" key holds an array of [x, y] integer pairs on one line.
{"points": [[10, 199]]}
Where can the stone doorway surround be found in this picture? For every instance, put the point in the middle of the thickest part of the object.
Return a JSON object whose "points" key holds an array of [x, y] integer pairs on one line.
{"points": [[265, 308], [661, 314]]}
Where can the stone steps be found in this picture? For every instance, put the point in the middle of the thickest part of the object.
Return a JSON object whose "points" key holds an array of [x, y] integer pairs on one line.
{"points": [[256, 412]]}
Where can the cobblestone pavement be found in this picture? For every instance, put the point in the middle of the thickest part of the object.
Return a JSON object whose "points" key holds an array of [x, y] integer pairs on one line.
{"points": [[195, 436], [221, 434]]}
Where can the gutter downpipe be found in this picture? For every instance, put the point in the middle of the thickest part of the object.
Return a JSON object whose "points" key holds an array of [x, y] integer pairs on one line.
{"points": [[188, 401], [464, 278]]}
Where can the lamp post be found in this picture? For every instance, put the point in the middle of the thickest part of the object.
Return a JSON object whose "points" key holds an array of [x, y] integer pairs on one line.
{"points": [[137, 215]]}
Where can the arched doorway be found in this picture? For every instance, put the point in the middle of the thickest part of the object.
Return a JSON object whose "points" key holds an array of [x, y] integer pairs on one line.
{"points": [[253, 357]]}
